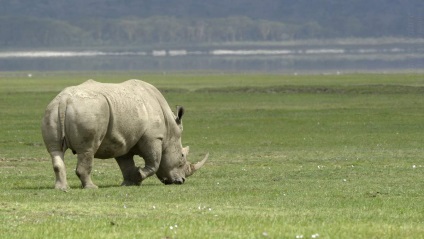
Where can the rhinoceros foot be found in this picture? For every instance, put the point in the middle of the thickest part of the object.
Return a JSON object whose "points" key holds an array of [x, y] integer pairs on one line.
{"points": [[90, 186], [61, 186]]}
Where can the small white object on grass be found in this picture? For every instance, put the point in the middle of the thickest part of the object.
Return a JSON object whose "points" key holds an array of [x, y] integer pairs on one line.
{"points": [[316, 235]]}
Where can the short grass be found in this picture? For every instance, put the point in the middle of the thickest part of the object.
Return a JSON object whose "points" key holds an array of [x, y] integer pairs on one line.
{"points": [[290, 156]]}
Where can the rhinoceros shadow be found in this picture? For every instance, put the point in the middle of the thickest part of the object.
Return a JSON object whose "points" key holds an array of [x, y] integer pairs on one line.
{"points": [[31, 187], [74, 187]]}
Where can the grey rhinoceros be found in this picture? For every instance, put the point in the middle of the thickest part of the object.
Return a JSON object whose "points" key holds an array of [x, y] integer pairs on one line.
{"points": [[100, 120]]}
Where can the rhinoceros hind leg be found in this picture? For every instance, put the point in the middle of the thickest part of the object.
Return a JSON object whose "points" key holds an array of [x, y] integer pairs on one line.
{"points": [[59, 170], [83, 171]]}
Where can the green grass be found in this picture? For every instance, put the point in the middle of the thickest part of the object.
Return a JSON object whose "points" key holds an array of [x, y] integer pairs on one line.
{"points": [[338, 156]]}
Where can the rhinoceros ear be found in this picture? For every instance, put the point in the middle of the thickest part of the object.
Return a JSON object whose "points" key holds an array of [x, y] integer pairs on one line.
{"points": [[180, 113]]}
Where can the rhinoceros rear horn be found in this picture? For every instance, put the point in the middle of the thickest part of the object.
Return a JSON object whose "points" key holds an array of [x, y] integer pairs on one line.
{"points": [[194, 167]]}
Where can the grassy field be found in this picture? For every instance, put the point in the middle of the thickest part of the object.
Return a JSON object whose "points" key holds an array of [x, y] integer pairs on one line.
{"points": [[309, 156]]}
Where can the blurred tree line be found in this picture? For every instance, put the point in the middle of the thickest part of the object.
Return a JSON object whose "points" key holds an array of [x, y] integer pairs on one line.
{"points": [[47, 23]]}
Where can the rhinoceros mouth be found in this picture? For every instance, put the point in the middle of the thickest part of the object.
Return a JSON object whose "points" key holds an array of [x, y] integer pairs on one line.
{"points": [[177, 181]]}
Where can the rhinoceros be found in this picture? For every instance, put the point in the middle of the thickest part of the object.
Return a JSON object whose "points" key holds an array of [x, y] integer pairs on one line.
{"points": [[104, 120]]}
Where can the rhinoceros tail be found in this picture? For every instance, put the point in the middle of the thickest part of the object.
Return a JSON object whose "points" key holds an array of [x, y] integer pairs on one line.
{"points": [[61, 117]]}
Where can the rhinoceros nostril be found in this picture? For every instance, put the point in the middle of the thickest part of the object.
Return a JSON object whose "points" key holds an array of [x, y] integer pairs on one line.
{"points": [[166, 181]]}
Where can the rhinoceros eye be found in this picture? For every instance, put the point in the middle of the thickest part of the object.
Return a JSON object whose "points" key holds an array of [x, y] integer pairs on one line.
{"points": [[182, 161]]}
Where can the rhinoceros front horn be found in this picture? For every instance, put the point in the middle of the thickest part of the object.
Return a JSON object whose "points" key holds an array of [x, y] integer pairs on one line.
{"points": [[194, 167]]}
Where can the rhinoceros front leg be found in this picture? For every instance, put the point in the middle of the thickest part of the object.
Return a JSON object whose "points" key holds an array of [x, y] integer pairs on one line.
{"points": [[59, 170], [84, 167], [129, 171], [152, 154]]}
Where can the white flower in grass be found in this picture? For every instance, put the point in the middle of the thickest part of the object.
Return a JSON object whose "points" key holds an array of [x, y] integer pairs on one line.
{"points": [[316, 235]]}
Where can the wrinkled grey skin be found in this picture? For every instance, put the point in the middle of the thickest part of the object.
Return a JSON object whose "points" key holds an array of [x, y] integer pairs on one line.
{"points": [[97, 120]]}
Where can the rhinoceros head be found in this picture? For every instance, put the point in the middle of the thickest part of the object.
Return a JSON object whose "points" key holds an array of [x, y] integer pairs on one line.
{"points": [[176, 171], [174, 167]]}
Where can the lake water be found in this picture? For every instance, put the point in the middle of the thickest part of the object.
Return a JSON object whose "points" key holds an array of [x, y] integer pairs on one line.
{"points": [[289, 59]]}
